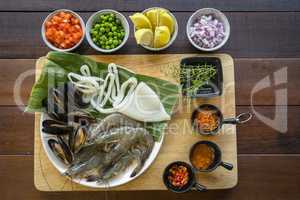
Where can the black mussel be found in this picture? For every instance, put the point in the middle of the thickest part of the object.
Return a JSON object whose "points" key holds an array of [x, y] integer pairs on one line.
{"points": [[81, 118], [61, 150], [57, 104], [77, 138], [92, 178], [56, 128], [62, 100], [74, 96]]}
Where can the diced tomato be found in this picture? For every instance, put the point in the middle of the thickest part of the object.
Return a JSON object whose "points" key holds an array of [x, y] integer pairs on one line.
{"points": [[63, 30]]}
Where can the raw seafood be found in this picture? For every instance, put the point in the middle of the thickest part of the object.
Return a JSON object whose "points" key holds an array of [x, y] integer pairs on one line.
{"points": [[77, 139], [61, 150], [54, 127], [65, 147], [134, 100], [144, 105], [114, 120], [64, 103], [126, 144]]}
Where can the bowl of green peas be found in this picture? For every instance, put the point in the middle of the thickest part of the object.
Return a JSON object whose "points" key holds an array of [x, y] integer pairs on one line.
{"points": [[107, 30]]}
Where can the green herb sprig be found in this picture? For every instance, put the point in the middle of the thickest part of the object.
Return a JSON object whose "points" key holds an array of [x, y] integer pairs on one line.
{"points": [[195, 76]]}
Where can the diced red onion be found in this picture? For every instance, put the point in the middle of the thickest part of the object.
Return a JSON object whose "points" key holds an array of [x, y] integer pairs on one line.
{"points": [[207, 32]]}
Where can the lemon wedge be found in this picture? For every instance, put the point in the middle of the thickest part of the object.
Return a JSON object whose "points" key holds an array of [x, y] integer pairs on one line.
{"points": [[144, 36], [154, 15], [165, 19], [140, 21], [161, 36]]}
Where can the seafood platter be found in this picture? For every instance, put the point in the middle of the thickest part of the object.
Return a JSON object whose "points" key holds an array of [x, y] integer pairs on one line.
{"points": [[134, 122], [125, 129]]}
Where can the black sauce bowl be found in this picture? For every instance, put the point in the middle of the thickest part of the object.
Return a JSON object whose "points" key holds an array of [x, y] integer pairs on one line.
{"points": [[213, 87], [240, 119], [192, 183], [217, 157]]}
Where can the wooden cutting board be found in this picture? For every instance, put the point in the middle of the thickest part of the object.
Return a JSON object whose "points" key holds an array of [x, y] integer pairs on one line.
{"points": [[178, 138]]}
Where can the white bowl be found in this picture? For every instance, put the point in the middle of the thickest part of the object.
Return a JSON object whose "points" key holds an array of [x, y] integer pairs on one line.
{"points": [[94, 18], [120, 179], [51, 46], [173, 37], [218, 15]]}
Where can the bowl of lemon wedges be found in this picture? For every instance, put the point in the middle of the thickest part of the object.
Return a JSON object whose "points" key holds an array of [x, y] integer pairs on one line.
{"points": [[155, 28]]}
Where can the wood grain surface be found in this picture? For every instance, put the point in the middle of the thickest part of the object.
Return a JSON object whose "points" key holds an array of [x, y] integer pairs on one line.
{"points": [[261, 177], [17, 133], [247, 73], [264, 38], [253, 34], [178, 138], [132, 5]]}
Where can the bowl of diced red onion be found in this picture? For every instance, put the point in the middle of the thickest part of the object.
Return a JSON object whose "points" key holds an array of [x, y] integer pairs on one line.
{"points": [[208, 29]]}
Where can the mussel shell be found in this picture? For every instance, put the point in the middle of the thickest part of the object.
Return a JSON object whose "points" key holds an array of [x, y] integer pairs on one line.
{"points": [[61, 150], [56, 128], [63, 100], [92, 178], [57, 102], [77, 138], [81, 118]]}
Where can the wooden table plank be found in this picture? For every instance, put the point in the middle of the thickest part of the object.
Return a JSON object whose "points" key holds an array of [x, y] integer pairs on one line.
{"points": [[247, 73], [260, 177], [176, 5], [253, 34], [16, 130], [179, 134]]}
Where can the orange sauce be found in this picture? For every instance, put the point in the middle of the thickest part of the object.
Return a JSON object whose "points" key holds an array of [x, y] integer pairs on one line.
{"points": [[202, 156]]}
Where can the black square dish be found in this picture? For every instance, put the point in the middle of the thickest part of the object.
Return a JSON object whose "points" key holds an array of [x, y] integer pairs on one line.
{"points": [[211, 88]]}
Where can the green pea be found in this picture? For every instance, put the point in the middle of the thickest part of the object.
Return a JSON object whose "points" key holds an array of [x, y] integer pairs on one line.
{"points": [[115, 42], [107, 47], [113, 28], [102, 30]]}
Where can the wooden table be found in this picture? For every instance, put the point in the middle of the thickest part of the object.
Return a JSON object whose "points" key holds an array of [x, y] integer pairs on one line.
{"points": [[264, 38]]}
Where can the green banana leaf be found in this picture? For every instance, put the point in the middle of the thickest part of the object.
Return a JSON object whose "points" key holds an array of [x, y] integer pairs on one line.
{"points": [[58, 65]]}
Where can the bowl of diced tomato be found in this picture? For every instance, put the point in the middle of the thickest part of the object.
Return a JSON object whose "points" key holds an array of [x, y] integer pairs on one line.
{"points": [[63, 30]]}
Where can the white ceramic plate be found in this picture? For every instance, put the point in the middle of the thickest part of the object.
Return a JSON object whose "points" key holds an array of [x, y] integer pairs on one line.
{"points": [[121, 179]]}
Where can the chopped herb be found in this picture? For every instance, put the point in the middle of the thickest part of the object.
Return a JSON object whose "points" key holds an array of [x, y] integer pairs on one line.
{"points": [[193, 77]]}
